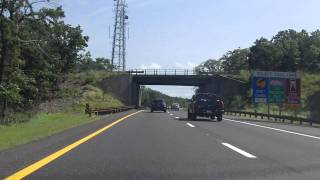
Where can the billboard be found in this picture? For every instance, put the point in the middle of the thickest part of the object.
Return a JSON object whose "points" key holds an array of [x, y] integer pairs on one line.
{"points": [[293, 92], [280, 87], [260, 89]]}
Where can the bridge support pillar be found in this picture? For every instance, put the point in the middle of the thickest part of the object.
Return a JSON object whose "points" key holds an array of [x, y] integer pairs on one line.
{"points": [[136, 95]]}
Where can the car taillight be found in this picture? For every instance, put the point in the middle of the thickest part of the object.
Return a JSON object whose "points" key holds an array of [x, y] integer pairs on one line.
{"points": [[221, 104]]}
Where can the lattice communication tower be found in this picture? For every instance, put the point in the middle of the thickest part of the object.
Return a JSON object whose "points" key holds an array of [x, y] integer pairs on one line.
{"points": [[118, 58]]}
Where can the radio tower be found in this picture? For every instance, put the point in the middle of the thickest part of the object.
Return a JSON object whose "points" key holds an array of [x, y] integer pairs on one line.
{"points": [[118, 58]]}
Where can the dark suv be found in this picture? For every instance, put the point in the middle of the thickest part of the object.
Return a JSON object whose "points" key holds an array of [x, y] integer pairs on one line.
{"points": [[158, 105], [205, 105]]}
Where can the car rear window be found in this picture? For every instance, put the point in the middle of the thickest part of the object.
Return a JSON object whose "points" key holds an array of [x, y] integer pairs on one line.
{"points": [[205, 97], [157, 101]]}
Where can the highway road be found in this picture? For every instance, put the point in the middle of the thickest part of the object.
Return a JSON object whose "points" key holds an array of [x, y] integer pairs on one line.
{"points": [[148, 145]]}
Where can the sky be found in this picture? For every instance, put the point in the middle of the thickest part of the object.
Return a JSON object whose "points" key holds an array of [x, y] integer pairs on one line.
{"points": [[180, 34]]}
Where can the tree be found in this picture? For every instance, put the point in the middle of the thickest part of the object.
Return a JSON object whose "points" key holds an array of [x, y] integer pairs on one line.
{"points": [[211, 65], [313, 106], [264, 55], [235, 61], [104, 63], [87, 63], [36, 50], [287, 43], [309, 46]]}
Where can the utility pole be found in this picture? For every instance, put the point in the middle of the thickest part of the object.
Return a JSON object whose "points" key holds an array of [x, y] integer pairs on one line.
{"points": [[118, 58]]}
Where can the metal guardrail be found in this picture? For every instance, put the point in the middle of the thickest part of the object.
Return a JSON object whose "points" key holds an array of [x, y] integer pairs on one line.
{"points": [[275, 117], [167, 72], [105, 111]]}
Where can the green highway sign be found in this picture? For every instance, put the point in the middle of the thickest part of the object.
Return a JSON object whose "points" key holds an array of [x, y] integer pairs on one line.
{"points": [[277, 90]]}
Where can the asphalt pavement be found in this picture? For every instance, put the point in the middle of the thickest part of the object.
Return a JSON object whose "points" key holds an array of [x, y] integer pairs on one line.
{"points": [[168, 146]]}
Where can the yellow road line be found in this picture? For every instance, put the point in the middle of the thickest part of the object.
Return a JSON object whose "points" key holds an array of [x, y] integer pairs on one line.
{"points": [[35, 166]]}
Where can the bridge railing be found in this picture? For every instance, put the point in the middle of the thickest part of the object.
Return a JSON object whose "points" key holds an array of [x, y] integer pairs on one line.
{"points": [[167, 72]]}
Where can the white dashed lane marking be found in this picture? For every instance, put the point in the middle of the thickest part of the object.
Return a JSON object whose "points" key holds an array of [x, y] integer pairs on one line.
{"points": [[240, 151], [191, 125]]}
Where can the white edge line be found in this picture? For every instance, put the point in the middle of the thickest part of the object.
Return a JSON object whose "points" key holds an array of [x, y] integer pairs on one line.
{"points": [[240, 151], [276, 129], [191, 125]]}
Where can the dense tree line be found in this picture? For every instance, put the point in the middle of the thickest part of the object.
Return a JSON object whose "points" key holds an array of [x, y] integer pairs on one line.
{"points": [[288, 50], [87, 63], [37, 48]]}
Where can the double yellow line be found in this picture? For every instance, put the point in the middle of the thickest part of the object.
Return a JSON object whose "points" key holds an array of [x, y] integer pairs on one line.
{"points": [[37, 165]]}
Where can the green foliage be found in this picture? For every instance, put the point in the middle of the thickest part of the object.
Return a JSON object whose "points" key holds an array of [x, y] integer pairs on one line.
{"points": [[311, 95], [96, 98], [232, 62], [288, 50], [264, 55], [36, 50], [10, 93], [210, 65], [237, 103], [90, 76], [313, 106], [235, 61], [87, 63]]}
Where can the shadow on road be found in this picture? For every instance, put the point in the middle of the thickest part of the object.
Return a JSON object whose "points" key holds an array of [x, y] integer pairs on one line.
{"points": [[156, 112]]}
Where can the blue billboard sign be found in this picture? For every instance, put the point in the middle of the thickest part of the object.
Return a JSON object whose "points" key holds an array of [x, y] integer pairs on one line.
{"points": [[260, 89]]}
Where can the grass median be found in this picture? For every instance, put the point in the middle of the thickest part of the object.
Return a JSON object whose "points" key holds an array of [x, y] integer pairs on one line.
{"points": [[40, 126]]}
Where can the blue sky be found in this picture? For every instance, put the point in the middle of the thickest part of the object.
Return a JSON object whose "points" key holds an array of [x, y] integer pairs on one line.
{"points": [[184, 33]]}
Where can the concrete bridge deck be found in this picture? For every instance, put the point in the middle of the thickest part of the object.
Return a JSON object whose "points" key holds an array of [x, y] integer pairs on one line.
{"points": [[127, 86]]}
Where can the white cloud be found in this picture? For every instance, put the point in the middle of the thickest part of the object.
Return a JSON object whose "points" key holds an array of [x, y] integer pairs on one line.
{"points": [[151, 66], [188, 65]]}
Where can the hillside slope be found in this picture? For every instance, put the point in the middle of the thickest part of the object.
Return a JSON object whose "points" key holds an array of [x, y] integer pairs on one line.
{"points": [[64, 111]]}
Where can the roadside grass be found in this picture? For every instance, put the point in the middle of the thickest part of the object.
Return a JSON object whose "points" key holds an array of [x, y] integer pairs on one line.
{"points": [[79, 90], [40, 126], [45, 124]]}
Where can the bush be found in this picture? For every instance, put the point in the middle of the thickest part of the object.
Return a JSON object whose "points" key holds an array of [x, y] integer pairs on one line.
{"points": [[314, 106]]}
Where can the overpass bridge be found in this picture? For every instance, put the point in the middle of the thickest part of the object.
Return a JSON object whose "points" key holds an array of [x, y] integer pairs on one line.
{"points": [[126, 87]]}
